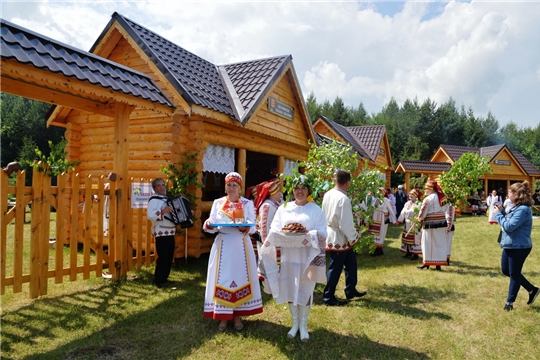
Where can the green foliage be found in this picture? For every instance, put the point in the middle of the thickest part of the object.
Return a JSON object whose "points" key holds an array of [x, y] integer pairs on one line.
{"points": [[56, 160], [418, 182], [463, 178], [320, 166], [23, 128], [181, 178]]}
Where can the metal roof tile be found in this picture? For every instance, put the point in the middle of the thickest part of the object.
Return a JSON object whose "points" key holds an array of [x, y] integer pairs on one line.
{"points": [[31, 48]]}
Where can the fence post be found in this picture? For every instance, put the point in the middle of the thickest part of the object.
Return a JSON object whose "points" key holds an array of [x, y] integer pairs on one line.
{"points": [[36, 225], [44, 235], [3, 229]]}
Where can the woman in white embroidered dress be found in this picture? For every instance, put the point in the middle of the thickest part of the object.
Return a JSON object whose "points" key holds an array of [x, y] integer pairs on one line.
{"points": [[269, 198], [436, 226], [492, 201], [232, 287], [381, 217], [301, 267], [411, 235]]}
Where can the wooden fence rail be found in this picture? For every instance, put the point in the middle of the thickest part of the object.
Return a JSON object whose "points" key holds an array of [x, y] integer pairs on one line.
{"points": [[82, 239]]}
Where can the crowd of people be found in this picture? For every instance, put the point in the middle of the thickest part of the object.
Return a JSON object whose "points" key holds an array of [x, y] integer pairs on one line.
{"points": [[282, 246]]}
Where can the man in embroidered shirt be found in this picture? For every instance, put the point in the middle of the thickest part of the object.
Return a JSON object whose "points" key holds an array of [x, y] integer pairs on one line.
{"points": [[163, 231], [342, 235]]}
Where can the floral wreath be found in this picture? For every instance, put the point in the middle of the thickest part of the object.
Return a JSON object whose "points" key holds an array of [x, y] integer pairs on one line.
{"points": [[292, 181]]}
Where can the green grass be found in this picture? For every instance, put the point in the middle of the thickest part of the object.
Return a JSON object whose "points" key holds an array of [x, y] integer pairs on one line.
{"points": [[407, 314]]}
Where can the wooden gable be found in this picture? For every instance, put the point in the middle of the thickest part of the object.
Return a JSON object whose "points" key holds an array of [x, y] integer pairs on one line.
{"points": [[321, 127], [384, 157], [116, 45], [286, 92], [441, 156], [504, 164]]}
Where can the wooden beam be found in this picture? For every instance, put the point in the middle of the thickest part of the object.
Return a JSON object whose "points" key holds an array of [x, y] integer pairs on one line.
{"points": [[55, 97], [59, 82]]}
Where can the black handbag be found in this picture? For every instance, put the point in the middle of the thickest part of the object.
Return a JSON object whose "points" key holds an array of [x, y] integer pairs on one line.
{"points": [[499, 238]]}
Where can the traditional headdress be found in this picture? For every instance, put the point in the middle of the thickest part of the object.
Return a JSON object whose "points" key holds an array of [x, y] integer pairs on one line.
{"points": [[432, 185], [385, 193], [264, 190], [233, 177], [416, 193]]}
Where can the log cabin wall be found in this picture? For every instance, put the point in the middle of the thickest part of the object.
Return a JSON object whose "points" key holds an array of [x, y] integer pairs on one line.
{"points": [[155, 139]]}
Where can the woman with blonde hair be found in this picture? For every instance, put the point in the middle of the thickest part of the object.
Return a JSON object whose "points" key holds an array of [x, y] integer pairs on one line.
{"points": [[516, 241]]}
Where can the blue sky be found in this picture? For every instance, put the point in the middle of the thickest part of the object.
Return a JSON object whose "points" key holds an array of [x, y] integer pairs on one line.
{"points": [[482, 54]]}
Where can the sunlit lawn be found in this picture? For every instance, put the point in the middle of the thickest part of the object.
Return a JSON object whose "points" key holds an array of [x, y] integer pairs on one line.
{"points": [[407, 314]]}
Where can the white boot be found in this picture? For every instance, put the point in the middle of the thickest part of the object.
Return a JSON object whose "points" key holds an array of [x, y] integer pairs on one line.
{"points": [[294, 313], [303, 313]]}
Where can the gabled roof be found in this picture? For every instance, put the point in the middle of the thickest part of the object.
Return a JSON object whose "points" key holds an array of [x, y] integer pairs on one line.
{"points": [[195, 79], [491, 151], [233, 89], [320, 140], [246, 82], [454, 152], [345, 135], [526, 164], [422, 166], [369, 137], [28, 47]]}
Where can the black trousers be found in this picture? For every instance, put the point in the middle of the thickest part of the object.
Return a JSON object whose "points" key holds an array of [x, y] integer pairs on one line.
{"points": [[165, 252], [340, 261]]}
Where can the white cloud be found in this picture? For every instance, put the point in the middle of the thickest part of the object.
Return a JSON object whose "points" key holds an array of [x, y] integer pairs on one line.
{"points": [[482, 54]]}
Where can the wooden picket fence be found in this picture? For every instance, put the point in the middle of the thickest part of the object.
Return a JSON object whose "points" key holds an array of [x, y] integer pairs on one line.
{"points": [[78, 242]]}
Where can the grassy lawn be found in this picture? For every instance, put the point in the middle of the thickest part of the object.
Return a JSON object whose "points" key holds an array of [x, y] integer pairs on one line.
{"points": [[407, 314]]}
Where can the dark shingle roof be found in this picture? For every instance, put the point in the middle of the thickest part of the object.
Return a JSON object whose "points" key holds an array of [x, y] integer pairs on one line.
{"points": [[369, 137], [425, 166], [195, 79], [344, 133], [491, 151], [233, 89], [455, 153], [28, 47], [248, 80], [526, 164]]}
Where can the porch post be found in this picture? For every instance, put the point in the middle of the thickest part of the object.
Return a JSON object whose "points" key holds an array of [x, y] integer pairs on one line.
{"points": [[121, 168], [242, 164]]}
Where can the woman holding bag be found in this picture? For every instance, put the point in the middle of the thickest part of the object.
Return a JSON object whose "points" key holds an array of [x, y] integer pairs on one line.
{"points": [[516, 242]]}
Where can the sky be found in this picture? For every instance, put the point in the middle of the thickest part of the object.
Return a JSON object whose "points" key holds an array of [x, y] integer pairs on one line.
{"points": [[482, 54]]}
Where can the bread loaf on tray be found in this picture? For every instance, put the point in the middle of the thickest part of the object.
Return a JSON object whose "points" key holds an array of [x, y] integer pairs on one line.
{"points": [[294, 228]]}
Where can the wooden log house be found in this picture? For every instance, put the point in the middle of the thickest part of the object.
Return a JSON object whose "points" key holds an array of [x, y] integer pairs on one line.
{"points": [[508, 166], [370, 143], [248, 117]]}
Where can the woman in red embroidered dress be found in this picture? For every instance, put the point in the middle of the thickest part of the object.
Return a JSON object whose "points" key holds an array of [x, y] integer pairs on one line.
{"points": [[232, 286]]}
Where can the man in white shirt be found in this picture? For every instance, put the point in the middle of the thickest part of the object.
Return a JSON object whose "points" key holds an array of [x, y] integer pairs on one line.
{"points": [[163, 231], [342, 236]]}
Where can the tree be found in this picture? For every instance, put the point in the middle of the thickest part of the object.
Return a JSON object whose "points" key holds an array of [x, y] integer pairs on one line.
{"points": [[56, 161], [23, 128], [463, 178], [320, 166], [312, 107]]}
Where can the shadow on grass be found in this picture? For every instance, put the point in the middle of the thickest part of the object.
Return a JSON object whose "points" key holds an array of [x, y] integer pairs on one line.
{"points": [[173, 328], [400, 299]]}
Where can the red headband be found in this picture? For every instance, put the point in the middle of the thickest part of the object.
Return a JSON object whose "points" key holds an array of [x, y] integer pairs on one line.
{"points": [[233, 177]]}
